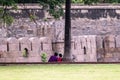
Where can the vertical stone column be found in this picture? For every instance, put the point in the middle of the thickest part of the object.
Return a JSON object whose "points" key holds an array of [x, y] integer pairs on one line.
{"points": [[3, 44], [109, 48], [74, 51], [80, 50], [35, 45], [35, 50], [112, 41], [13, 54], [100, 48], [93, 55], [13, 44], [3, 49], [24, 43], [117, 38], [73, 47], [109, 43], [84, 47], [89, 51], [117, 52], [45, 29], [58, 47], [46, 46], [49, 31]]}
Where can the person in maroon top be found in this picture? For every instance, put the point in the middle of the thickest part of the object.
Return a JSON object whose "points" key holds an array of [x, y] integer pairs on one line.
{"points": [[53, 58], [59, 58]]}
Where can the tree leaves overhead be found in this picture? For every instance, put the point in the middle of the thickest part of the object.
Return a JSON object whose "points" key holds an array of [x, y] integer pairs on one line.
{"points": [[4, 12], [53, 6], [7, 2]]}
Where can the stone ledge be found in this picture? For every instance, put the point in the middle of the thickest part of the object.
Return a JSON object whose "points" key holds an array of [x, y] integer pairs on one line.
{"points": [[80, 6]]}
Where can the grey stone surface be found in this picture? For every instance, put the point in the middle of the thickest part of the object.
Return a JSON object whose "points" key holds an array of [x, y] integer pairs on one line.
{"points": [[86, 20], [3, 44], [35, 46], [48, 35], [25, 43], [118, 41], [13, 44]]}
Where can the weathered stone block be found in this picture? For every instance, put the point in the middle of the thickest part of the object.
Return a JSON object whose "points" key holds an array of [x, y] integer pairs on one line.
{"points": [[13, 54], [83, 41], [59, 47], [111, 60], [13, 44], [86, 58], [46, 45], [109, 55], [22, 59], [117, 49], [116, 55], [35, 45], [25, 43], [118, 41], [112, 50], [34, 59], [10, 59], [3, 44], [93, 58], [110, 41], [46, 40], [99, 42], [93, 48], [2, 59], [79, 58]]}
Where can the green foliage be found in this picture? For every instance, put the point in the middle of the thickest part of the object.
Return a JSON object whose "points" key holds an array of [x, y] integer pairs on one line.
{"points": [[8, 19], [43, 57], [53, 6], [32, 17], [14, 7], [4, 12], [90, 1], [25, 53], [77, 1], [7, 2]]}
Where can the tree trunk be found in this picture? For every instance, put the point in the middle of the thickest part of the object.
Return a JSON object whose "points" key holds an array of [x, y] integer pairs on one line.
{"points": [[67, 45]]}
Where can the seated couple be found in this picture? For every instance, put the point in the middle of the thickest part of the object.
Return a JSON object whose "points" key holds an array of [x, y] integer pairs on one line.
{"points": [[55, 58]]}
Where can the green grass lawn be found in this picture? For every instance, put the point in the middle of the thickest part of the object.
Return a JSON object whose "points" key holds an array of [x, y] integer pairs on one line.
{"points": [[61, 72]]}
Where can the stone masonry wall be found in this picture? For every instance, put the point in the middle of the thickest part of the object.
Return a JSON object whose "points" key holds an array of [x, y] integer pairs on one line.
{"points": [[95, 34], [108, 48], [11, 49], [86, 20], [86, 48]]}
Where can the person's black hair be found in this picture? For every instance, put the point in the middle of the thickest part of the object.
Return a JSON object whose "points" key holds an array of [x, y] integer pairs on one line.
{"points": [[55, 54], [26, 49], [60, 55]]}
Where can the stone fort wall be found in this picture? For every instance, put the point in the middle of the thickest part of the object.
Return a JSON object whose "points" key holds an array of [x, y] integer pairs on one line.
{"points": [[86, 20], [95, 34], [85, 48], [11, 49]]}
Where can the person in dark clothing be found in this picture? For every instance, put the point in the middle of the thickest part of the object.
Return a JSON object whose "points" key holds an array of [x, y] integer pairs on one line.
{"points": [[59, 58], [53, 58], [25, 52]]}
